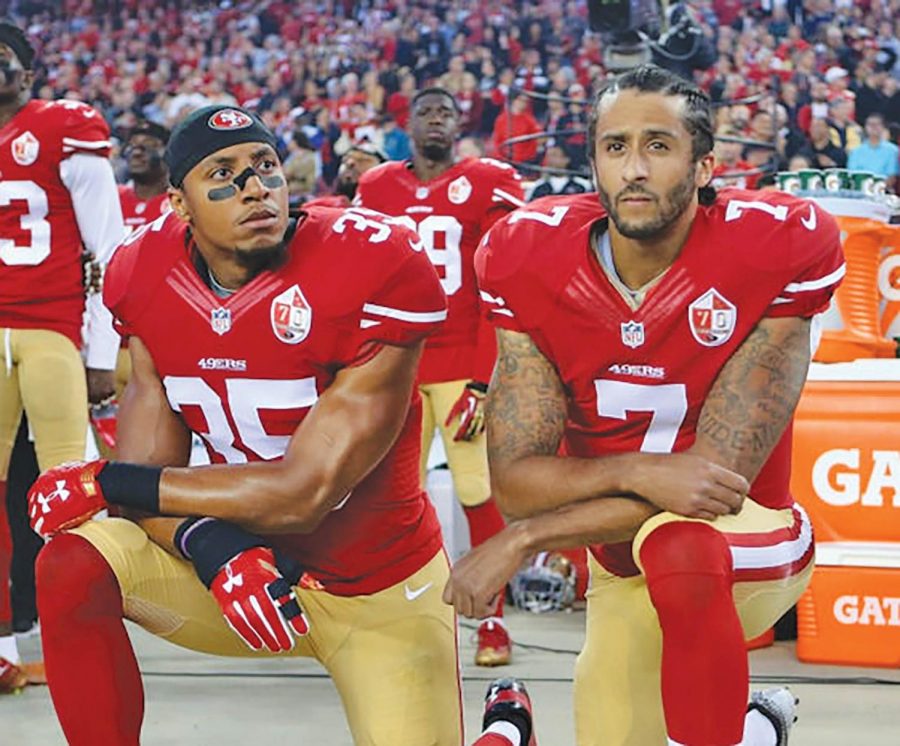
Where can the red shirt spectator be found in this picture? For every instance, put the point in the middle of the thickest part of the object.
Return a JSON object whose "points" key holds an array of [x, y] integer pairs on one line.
{"points": [[516, 122]]}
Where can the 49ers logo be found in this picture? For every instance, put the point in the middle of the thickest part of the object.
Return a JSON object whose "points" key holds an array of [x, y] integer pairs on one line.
{"points": [[230, 119]]}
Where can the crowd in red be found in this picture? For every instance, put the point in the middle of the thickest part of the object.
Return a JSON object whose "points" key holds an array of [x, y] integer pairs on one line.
{"points": [[338, 71]]}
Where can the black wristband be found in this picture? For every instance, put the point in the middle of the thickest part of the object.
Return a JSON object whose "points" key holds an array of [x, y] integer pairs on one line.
{"points": [[210, 543], [477, 386], [131, 485]]}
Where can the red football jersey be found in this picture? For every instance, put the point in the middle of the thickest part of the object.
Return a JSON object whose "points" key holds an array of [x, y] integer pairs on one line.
{"points": [[450, 214], [41, 284], [138, 212], [329, 200], [243, 372], [637, 379]]}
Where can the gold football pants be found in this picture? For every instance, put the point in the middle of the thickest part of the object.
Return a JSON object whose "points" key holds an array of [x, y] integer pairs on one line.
{"points": [[618, 700], [467, 459], [41, 371], [392, 654]]}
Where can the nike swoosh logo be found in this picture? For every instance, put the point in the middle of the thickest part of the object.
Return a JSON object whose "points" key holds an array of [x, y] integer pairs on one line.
{"points": [[412, 595], [810, 222]]}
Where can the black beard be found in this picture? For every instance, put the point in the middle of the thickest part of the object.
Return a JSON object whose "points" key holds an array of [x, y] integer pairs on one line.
{"points": [[346, 188], [678, 200], [151, 176], [261, 259], [437, 152]]}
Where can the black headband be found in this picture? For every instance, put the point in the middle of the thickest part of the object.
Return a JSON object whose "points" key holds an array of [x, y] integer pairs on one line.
{"points": [[13, 37], [208, 130]]}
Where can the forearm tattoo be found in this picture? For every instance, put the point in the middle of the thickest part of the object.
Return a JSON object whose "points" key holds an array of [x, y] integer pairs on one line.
{"points": [[754, 395], [526, 405]]}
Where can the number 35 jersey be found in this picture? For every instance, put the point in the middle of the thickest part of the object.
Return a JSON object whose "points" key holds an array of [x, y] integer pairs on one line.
{"points": [[450, 213], [244, 372], [637, 379], [40, 244]]}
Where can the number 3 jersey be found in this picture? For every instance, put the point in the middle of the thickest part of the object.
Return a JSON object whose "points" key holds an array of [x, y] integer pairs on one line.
{"points": [[636, 378], [243, 372], [40, 244], [450, 213]]}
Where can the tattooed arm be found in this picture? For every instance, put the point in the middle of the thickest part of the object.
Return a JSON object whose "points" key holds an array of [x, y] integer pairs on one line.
{"points": [[526, 417], [754, 396]]}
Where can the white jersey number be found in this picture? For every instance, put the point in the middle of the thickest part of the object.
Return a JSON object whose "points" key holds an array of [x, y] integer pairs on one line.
{"points": [[34, 221], [667, 402], [245, 397], [734, 210], [442, 236]]}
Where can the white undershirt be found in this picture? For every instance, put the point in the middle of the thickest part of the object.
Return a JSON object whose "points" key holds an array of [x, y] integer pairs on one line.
{"points": [[95, 199], [633, 297]]}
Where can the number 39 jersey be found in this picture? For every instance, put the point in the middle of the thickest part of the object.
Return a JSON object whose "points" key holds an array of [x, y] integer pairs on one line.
{"points": [[243, 372], [637, 378], [40, 244], [450, 213]]}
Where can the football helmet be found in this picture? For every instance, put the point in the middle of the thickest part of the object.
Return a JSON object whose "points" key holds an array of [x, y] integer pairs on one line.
{"points": [[547, 584]]}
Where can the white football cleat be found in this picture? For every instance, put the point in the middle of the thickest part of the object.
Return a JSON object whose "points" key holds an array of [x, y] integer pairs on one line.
{"points": [[779, 706]]}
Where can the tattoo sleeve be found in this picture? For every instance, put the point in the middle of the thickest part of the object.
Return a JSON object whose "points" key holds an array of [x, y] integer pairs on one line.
{"points": [[754, 396], [526, 405]]}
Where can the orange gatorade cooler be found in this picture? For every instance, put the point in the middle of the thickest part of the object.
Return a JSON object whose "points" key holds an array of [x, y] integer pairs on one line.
{"points": [[850, 614], [852, 326], [846, 457]]}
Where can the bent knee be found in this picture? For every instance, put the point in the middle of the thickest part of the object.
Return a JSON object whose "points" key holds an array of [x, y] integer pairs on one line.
{"points": [[684, 547]]}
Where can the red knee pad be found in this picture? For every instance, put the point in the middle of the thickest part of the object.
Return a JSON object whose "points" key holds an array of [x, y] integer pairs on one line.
{"points": [[685, 547], [73, 579]]}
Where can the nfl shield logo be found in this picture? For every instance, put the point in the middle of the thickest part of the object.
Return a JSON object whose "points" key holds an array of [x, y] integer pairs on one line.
{"points": [[291, 316], [459, 190], [220, 320], [633, 334], [25, 149], [712, 318]]}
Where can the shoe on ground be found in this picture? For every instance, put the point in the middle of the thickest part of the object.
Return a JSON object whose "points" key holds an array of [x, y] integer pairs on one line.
{"points": [[494, 646], [779, 706], [507, 699], [16, 676]]}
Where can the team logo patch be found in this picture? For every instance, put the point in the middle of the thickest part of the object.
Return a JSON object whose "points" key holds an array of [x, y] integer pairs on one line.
{"points": [[25, 149], [230, 119], [632, 334], [712, 318], [220, 320], [291, 316], [459, 190]]}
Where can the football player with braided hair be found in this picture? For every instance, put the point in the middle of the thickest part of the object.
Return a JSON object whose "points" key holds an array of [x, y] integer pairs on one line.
{"points": [[57, 195], [653, 342], [451, 203], [289, 344]]}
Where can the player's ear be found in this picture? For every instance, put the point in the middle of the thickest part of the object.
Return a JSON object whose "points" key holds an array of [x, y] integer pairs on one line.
{"points": [[703, 170], [178, 204]]}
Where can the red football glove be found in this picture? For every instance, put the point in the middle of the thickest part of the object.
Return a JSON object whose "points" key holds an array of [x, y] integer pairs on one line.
{"points": [[65, 496], [258, 603], [470, 410]]}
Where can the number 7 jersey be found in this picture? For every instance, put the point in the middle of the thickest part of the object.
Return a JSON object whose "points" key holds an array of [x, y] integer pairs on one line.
{"points": [[637, 378]]}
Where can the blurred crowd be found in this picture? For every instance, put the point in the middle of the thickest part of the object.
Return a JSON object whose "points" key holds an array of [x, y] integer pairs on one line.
{"points": [[818, 78]]}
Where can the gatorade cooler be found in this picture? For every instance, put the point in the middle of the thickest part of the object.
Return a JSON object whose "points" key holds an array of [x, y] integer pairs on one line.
{"points": [[853, 325], [846, 453], [850, 614]]}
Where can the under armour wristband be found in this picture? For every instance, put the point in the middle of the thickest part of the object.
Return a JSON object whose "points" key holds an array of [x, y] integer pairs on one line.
{"points": [[210, 543], [131, 485]]}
